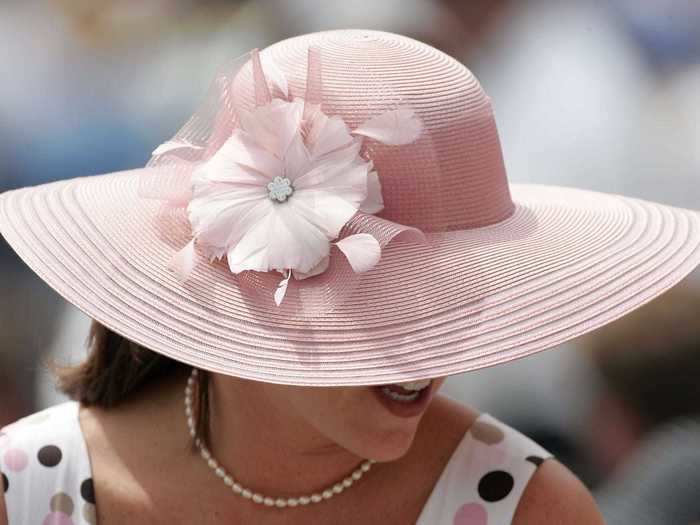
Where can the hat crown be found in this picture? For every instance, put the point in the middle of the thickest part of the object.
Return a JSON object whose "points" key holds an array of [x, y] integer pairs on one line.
{"points": [[451, 178]]}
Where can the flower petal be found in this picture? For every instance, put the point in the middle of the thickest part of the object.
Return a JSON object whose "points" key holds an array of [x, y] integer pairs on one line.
{"points": [[274, 125], [374, 203], [282, 239], [327, 134], [241, 151], [321, 267], [362, 251], [220, 222], [297, 161], [348, 183], [334, 165], [326, 211]]}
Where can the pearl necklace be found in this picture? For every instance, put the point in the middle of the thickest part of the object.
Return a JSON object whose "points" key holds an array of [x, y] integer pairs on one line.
{"points": [[248, 494]]}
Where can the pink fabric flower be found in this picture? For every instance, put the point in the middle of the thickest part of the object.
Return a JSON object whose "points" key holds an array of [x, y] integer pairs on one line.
{"points": [[276, 195]]}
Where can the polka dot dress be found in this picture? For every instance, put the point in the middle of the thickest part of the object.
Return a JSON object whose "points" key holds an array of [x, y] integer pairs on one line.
{"points": [[47, 480], [46, 475], [485, 477]]}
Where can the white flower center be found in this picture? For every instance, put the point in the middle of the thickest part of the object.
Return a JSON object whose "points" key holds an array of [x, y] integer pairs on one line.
{"points": [[280, 188]]}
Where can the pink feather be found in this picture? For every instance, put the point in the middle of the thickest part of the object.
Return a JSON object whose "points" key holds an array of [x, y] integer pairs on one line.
{"points": [[362, 251], [282, 288], [184, 261], [395, 127], [172, 145]]}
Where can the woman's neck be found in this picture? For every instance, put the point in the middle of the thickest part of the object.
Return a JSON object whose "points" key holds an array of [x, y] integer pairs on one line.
{"points": [[144, 441], [270, 449]]}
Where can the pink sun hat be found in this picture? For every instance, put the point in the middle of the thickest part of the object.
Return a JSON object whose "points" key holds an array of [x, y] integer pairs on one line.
{"points": [[338, 213]]}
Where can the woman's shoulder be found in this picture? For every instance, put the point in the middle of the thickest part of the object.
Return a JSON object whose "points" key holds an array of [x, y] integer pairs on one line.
{"points": [[44, 461], [497, 473], [549, 491], [556, 495]]}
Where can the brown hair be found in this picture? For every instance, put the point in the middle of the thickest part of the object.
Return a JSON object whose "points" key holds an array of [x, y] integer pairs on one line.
{"points": [[116, 369]]}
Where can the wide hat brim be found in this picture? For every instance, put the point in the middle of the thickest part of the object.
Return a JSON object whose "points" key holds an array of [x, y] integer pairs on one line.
{"points": [[566, 262]]}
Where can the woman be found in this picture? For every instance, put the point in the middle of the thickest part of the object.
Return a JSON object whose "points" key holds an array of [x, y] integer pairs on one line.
{"points": [[304, 387], [290, 440]]}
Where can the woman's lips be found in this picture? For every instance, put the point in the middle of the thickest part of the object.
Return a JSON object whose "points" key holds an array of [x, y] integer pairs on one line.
{"points": [[405, 408]]}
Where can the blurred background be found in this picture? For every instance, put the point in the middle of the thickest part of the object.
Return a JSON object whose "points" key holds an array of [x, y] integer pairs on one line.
{"points": [[599, 94]]}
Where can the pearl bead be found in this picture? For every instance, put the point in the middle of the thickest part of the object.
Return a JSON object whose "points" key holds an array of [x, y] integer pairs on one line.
{"points": [[316, 498], [237, 488], [247, 494], [292, 502], [356, 475], [365, 467], [347, 482], [228, 480], [327, 494], [212, 463], [220, 472], [258, 498], [279, 502], [338, 488], [269, 502], [304, 500]]}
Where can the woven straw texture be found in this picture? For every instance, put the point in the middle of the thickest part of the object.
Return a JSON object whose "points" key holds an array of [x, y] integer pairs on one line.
{"points": [[510, 269]]}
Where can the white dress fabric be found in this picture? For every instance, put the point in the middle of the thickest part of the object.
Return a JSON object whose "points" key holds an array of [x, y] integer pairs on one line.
{"points": [[46, 471], [47, 479]]}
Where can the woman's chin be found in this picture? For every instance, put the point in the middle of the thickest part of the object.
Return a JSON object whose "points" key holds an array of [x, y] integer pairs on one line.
{"points": [[390, 455], [388, 436], [388, 445]]}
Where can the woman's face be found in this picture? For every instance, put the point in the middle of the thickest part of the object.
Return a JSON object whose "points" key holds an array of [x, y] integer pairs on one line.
{"points": [[357, 418]]}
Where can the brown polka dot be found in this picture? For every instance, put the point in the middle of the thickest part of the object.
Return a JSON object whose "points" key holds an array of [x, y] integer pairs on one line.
{"points": [[535, 460], [487, 433], [50, 455], [62, 502], [90, 513], [87, 491], [495, 485]]}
